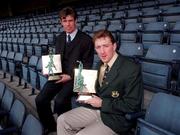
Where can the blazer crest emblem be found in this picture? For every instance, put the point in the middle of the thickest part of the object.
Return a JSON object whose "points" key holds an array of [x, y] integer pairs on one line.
{"points": [[115, 94]]}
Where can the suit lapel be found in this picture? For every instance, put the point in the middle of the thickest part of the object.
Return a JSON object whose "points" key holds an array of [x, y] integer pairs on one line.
{"points": [[113, 73], [62, 44], [72, 45]]}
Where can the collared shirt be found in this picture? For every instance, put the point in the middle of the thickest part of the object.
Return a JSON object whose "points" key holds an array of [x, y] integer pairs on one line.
{"points": [[103, 67], [73, 34]]}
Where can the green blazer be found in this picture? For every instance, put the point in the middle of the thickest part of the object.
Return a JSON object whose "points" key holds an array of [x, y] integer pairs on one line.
{"points": [[121, 93]]}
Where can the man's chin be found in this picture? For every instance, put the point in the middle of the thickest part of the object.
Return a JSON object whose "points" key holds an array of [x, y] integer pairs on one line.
{"points": [[104, 60]]}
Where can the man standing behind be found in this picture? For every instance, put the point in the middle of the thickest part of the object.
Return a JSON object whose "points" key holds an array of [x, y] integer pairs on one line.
{"points": [[119, 91], [73, 45]]}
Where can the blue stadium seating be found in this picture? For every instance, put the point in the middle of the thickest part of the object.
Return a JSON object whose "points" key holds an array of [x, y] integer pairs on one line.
{"points": [[157, 67], [161, 116]]}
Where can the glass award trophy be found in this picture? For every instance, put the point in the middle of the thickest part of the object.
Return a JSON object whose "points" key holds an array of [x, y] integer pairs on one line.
{"points": [[51, 65], [84, 82]]}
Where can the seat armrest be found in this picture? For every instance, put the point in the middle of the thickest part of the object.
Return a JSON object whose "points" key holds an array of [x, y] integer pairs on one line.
{"points": [[3, 113], [148, 127], [9, 130], [135, 115]]}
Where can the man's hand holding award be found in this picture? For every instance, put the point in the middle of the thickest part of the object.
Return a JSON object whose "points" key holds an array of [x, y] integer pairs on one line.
{"points": [[51, 65], [84, 82]]}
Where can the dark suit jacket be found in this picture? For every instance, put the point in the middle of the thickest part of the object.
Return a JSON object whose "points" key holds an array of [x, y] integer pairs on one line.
{"points": [[125, 80], [81, 48]]}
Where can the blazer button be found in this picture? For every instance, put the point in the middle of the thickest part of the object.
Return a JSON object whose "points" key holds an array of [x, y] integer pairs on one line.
{"points": [[106, 83]]}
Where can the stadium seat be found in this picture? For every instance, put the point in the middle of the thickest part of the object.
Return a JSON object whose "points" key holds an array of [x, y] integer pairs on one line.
{"points": [[151, 15], [25, 69], [31, 46], [15, 45], [157, 67], [4, 43], [98, 27], [22, 47], [5, 66], [42, 47], [9, 44], [7, 100], [161, 116], [96, 61], [131, 33], [154, 33], [2, 89], [174, 35], [42, 80], [87, 28], [3, 61], [132, 50], [14, 118], [31, 126], [15, 67], [34, 78]]}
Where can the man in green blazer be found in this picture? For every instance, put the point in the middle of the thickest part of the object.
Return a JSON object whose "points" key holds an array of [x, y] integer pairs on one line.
{"points": [[118, 92]]}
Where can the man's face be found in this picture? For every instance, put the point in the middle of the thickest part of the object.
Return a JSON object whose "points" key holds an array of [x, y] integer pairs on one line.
{"points": [[105, 49], [68, 23]]}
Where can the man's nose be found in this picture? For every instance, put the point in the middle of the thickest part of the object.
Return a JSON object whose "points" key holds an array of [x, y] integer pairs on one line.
{"points": [[102, 50]]}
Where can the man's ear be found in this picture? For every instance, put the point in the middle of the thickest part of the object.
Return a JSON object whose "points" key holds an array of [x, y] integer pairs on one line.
{"points": [[115, 46]]}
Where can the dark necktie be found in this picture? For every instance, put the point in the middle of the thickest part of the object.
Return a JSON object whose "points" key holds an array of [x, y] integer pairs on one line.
{"points": [[105, 74], [69, 38]]}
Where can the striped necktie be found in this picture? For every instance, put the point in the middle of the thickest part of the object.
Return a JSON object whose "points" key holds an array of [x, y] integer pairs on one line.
{"points": [[105, 74]]}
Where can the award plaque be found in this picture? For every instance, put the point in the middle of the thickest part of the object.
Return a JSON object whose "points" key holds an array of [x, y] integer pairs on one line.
{"points": [[51, 66], [84, 82]]}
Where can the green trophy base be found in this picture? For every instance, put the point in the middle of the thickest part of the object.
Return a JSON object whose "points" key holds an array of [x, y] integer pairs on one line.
{"points": [[54, 77]]}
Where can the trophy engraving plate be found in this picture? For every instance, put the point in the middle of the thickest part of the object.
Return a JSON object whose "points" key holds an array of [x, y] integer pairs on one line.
{"points": [[51, 66]]}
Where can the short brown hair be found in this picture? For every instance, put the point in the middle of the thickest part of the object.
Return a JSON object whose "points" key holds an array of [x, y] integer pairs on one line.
{"points": [[67, 11], [103, 33]]}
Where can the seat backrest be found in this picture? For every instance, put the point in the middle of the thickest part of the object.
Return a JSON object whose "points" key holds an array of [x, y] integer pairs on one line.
{"points": [[14, 40], [42, 79], [163, 52], [27, 41], [96, 61], [39, 64], [4, 54], [44, 41], [87, 28], [17, 113], [33, 61], [98, 27], [131, 49], [35, 41], [2, 89], [18, 57], [133, 27], [7, 99], [156, 26], [164, 112], [176, 26], [20, 40], [172, 10], [10, 55], [157, 74], [32, 126]]}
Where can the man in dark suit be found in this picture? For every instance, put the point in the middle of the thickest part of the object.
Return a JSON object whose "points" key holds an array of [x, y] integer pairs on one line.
{"points": [[118, 91], [73, 45]]}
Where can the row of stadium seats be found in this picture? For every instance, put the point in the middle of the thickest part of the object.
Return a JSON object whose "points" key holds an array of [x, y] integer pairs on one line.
{"points": [[14, 117], [159, 68]]}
